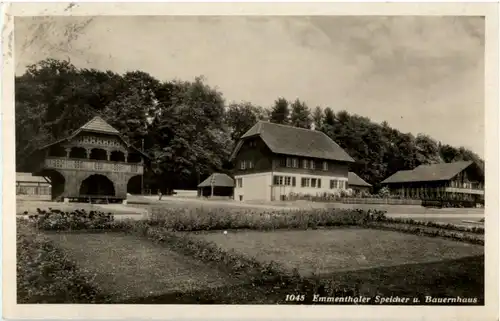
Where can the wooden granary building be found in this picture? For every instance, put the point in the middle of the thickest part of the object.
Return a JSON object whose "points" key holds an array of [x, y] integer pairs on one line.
{"points": [[458, 184], [93, 163]]}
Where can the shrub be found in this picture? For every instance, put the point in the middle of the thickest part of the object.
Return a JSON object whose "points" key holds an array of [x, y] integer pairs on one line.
{"points": [[446, 226], [46, 275], [74, 220], [200, 219]]}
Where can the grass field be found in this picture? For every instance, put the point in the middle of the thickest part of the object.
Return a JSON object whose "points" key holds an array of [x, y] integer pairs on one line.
{"points": [[336, 250], [127, 267]]}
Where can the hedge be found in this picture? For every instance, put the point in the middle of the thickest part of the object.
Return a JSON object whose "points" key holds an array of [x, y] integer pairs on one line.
{"points": [[46, 275]]}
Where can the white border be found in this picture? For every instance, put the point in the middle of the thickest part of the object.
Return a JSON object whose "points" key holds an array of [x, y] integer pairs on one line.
{"points": [[488, 312]]}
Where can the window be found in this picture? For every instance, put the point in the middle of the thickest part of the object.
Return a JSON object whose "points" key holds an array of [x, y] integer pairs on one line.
{"points": [[304, 163], [288, 180], [305, 182], [250, 164], [313, 182], [319, 182], [325, 166], [295, 162], [334, 184], [243, 165], [312, 165], [282, 162], [288, 162], [253, 143], [239, 182], [293, 181], [278, 180], [342, 184]]}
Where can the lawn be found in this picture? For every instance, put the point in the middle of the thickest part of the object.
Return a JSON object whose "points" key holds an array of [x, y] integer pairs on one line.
{"points": [[339, 250], [128, 267]]}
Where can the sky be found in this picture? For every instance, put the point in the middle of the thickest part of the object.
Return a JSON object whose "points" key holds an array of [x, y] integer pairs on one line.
{"points": [[420, 74]]}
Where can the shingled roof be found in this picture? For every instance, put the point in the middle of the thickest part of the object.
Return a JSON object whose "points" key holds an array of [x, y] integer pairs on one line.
{"points": [[97, 124], [219, 180], [429, 173], [289, 140], [354, 180]]}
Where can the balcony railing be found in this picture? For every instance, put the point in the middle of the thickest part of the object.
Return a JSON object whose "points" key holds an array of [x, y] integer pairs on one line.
{"points": [[475, 191], [92, 165]]}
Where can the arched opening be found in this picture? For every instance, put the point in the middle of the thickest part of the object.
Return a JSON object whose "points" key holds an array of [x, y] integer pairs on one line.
{"points": [[57, 151], [98, 154], [78, 152], [117, 156], [57, 182], [97, 185], [134, 158], [134, 185]]}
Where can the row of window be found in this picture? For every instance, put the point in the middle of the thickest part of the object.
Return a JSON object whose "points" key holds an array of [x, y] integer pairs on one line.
{"points": [[304, 182], [244, 164], [288, 162], [308, 182], [302, 163]]}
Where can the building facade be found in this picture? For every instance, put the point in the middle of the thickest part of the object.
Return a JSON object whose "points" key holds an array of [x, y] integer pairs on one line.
{"points": [[27, 184], [95, 162], [273, 161], [458, 181]]}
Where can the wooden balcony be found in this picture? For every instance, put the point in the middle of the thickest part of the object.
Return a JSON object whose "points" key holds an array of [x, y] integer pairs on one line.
{"points": [[474, 191], [92, 165]]}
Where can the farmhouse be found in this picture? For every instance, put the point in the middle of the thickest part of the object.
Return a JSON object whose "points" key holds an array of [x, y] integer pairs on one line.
{"points": [[218, 184], [463, 181], [94, 162], [274, 160], [27, 184], [357, 184]]}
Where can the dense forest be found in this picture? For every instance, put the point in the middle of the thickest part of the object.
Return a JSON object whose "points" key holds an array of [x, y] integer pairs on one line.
{"points": [[189, 130]]}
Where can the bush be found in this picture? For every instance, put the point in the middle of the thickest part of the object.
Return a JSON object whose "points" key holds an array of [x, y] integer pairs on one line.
{"points": [[201, 219], [422, 230], [74, 220], [46, 275], [446, 226]]}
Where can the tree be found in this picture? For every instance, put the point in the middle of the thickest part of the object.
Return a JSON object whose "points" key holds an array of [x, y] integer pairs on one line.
{"points": [[329, 117], [241, 117], [301, 115], [280, 112], [317, 118]]}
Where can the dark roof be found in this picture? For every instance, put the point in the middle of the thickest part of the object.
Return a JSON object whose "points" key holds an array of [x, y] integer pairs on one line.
{"points": [[289, 140], [355, 180], [97, 125], [428, 173], [219, 179], [29, 178]]}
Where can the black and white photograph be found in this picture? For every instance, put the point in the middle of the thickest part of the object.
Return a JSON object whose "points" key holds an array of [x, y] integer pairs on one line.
{"points": [[291, 160]]}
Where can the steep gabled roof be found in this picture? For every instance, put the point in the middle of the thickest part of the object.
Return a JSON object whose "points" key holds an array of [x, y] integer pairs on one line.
{"points": [[355, 180], [219, 179], [429, 173], [288, 140], [97, 125]]}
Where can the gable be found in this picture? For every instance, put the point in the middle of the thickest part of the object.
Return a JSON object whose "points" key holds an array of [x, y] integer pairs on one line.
{"points": [[293, 141]]}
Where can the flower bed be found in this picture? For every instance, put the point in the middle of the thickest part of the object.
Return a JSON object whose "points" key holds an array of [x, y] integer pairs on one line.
{"points": [[45, 275], [473, 229], [75, 220]]}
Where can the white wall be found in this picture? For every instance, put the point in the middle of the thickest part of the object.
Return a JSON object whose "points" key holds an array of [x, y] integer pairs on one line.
{"points": [[254, 187], [259, 186]]}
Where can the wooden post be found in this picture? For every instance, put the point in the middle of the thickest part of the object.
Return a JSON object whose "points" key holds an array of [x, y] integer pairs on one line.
{"points": [[212, 182]]}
